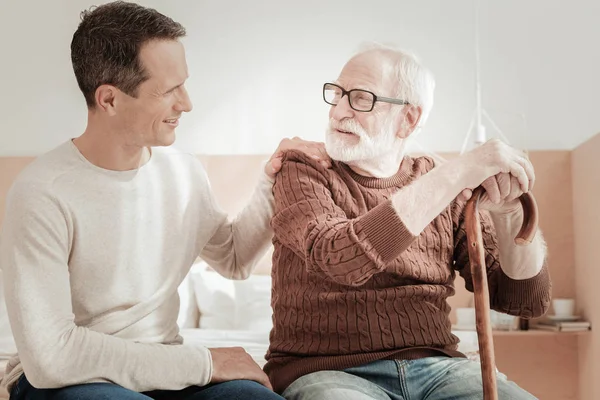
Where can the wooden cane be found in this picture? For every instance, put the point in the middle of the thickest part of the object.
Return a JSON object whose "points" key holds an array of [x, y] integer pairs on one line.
{"points": [[480, 284]]}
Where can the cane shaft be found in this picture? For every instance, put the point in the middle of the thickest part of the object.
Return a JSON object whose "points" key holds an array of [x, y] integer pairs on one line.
{"points": [[480, 282]]}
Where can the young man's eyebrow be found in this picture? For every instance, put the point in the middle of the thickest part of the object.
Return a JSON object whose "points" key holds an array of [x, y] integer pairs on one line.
{"points": [[174, 87]]}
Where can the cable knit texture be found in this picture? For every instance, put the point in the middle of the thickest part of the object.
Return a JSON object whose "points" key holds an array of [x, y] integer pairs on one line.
{"points": [[352, 284]]}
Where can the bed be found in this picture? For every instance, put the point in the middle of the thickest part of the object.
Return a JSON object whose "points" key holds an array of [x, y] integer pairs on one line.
{"points": [[217, 312], [256, 343]]}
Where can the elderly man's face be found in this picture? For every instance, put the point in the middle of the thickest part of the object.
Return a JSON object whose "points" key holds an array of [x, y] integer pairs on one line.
{"points": [[355, 135]]}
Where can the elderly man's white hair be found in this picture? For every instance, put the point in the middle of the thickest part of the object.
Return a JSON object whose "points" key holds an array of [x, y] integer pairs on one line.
{"points": [[412, 81]]}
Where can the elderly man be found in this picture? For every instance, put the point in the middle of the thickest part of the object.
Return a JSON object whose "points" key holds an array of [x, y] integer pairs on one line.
{"points": [[100, 232], [366, 252]]}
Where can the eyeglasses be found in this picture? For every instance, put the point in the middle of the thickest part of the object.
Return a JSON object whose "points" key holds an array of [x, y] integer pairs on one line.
{"points": [[359, 99]]}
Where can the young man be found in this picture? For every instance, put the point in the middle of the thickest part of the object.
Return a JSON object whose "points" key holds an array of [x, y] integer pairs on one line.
{"points": [[100, 232], [366, 252]]}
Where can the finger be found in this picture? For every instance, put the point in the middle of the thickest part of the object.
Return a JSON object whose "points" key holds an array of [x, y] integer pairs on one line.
{"points": [[266, 382], [320, 155], [526, 164], [324, 156], [320, 147], [515, 190], [503, 181], [324, 163], [466, 194], [272, 167], [276, 164], [269, 169], [259, 375], [491, 188], [484, 201], [284, 144], [303, 146], [519, 172]]}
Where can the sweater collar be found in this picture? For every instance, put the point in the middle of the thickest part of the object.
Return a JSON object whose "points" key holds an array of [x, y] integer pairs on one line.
{"points": [[400, 178]]}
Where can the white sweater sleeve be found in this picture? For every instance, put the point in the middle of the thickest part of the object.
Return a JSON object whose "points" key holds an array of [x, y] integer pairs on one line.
{"points": [[54, 352], [238, 244]]}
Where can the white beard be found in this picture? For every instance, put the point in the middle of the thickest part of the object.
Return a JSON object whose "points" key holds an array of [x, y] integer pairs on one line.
{"points": [[379, 155]]}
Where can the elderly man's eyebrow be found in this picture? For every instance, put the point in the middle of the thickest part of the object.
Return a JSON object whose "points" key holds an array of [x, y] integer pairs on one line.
{"points": [[361, 87]]}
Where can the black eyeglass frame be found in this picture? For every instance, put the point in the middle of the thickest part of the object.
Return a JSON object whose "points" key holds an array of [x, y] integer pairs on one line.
{"points": [[375, 97]]}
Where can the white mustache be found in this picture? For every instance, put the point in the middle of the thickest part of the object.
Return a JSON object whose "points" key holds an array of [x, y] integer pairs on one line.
{"points": [[347, 125]]}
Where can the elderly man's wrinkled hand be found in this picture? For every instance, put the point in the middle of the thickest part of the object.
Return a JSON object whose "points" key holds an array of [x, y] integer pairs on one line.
{"points": [[315, 150], [504, 172], [501, 195]]}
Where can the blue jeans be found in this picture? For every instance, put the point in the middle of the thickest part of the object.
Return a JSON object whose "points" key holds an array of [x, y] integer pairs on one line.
{"points": [[431, 378], [233, 390]]}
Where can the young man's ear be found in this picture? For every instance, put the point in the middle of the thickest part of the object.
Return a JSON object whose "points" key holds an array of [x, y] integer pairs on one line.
{"points": [[409, 119], [106, 98]]}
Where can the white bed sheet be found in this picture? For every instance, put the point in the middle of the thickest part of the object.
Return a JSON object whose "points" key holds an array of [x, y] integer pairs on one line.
{"points": [[257, 342]]}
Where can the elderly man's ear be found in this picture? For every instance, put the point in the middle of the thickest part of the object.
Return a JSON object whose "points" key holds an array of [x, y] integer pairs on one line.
{"points": [[408, 119]]}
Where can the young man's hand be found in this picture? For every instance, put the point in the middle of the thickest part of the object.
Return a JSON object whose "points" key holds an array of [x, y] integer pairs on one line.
{"points": [[315, 150], [233, 363]]}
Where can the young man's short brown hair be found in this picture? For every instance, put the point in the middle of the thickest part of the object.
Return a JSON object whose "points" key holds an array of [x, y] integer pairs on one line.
{"points": [[106, 46]]}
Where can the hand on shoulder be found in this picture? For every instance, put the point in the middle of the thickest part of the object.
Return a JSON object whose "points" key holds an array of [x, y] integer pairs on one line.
{"points": [[315, 150]]}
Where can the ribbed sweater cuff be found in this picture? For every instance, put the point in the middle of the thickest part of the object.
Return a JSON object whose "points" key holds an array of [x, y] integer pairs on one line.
{"points": [[527, 298], [386, 232], [209, 369]]}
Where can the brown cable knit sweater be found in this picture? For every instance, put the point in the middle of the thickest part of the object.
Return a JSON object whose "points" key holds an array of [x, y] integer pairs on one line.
{"points": [[352, 285]]}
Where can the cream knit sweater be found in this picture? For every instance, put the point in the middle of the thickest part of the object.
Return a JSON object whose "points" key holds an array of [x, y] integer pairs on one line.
{"points": [[92, 260]]}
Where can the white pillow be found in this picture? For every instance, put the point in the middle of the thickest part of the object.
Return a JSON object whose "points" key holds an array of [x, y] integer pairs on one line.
{"points": [[228, 304], [253, 304], [188, 310], [215, 298]]}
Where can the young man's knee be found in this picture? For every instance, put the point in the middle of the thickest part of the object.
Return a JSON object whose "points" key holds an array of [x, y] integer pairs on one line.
{"points": [[237, 390], [91, 391]]}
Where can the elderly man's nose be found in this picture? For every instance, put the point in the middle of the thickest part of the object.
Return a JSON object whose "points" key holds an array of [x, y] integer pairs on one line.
{"points": [[342, 110]]}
